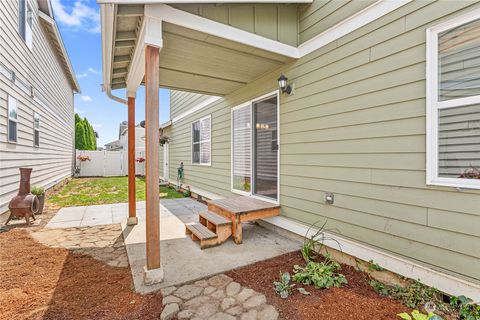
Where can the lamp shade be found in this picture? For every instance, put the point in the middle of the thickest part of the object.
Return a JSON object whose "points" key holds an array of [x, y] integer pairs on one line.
{"points": [[282, 82]]}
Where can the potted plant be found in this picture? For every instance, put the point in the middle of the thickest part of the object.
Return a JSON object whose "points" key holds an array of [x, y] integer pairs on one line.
{"points": [[163, 140], [40, 193]]}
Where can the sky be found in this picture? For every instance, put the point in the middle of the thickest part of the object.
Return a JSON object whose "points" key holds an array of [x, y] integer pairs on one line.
{"points": [[79, 24]]}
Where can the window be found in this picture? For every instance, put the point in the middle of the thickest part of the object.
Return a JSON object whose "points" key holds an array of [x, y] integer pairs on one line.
{"points": [[201, 141], [12, 119], [36, 129], [241, 148], [453, 102], [25, 22]]}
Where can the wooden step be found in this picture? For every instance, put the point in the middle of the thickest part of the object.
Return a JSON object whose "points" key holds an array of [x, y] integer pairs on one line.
{"points": [[216, 223], [214, 218], [199, 232]]}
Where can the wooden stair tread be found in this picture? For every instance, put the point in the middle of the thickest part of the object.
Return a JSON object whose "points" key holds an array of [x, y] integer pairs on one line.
{"points": [[214, 218], [202, 232]]}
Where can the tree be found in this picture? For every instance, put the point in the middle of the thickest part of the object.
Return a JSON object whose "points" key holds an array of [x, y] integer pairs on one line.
{"points": [[85, 138], [80, 141]]}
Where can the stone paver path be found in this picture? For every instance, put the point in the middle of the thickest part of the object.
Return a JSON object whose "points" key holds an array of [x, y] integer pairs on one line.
{"points": [[104, 243], [216, 298]]}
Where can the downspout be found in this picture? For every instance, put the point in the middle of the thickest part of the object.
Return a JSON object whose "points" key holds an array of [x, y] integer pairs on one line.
{"points": [[108, 91]]}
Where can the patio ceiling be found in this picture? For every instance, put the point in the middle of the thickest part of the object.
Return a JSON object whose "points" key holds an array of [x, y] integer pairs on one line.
{"points": [[190, 60]]}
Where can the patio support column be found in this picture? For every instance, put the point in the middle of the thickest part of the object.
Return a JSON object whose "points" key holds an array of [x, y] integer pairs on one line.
{"points": [[132, 205], [153, 270]]}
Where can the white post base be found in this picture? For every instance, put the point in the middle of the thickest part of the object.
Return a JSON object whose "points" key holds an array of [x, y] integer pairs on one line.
{"points": [[153, 276], [132, 221]]}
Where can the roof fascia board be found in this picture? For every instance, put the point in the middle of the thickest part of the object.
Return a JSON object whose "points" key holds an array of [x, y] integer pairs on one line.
{"points": [[352, 23], [63, 52]]}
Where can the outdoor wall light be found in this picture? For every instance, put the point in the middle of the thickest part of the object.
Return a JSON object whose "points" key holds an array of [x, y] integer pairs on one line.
{"points": [[283, 85], [142, 123]]}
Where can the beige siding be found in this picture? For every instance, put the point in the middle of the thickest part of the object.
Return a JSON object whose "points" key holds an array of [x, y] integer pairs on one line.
{"points": [[181, 102], [274, 21], [323, 14], [356, 127], [40, 68]]}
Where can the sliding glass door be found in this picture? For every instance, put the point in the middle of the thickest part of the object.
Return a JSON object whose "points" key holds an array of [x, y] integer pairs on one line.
{"points": [[265, 148], [255, 148]]}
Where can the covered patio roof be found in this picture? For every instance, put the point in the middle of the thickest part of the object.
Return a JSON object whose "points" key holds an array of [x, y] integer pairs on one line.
{"points": [[197, 54]]}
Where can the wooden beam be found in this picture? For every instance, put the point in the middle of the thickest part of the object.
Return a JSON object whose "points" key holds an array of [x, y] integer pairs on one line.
{"points": [[132, 208], [152, 175], [125, 35], [130, 11]]}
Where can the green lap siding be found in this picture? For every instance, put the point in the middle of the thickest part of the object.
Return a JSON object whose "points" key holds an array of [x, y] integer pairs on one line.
{"points": [[356, 127]]}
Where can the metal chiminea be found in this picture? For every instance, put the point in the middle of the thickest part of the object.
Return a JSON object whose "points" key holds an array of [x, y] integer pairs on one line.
{"points": [[24, 204]]}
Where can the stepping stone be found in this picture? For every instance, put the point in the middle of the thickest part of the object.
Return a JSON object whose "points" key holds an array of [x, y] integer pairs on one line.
{"points": [[168, 291], [185, 314], [222, 316], [250, 315], [209, 290], [171, 299], [227, 303], [170, 311], [235, 311], [219, 281], [245, 294], [255, 301], [268, 313], [233, 288], [188, 292]]}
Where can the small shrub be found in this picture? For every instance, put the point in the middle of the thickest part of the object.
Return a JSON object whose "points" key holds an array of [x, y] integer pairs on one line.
{"points": [[417, 315], [466, 309], [37, 190], [284, 287], [375, 266], [313, 245], [321, 275]]}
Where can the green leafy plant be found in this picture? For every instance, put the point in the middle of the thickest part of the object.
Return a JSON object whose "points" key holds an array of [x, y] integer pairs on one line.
{"points": [[417, 315], [37, 190], [466, 309], [319, 274], [283, 287], [313, 245], [375, 266], [412, 296]]}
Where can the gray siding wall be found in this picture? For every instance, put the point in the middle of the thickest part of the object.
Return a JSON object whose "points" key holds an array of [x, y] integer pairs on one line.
{"points": [[40, 68], [356, 127]]}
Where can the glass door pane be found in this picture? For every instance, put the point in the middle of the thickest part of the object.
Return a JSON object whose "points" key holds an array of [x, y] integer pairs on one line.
{"points": [[242, 144], [265, 139]]}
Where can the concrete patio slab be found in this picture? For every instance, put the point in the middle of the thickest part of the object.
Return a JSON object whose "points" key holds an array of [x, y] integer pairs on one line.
{"points": [[181, 258]]}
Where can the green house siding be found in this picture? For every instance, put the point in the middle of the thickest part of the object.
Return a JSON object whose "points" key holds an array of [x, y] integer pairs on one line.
{"points": [[356, 127], [274, 21]]}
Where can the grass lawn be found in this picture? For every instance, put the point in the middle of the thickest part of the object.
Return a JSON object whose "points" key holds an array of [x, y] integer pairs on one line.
{"points": [[90, 191]]}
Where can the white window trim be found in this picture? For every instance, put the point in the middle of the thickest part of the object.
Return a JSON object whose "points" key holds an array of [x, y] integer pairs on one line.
{"points": [[210, 140], [433, 105], [36, 129], [11, 119], [28, 40], [250, 103]]}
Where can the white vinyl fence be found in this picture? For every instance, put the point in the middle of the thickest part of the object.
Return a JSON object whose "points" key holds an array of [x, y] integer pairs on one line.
{"points": [[107, 163]]}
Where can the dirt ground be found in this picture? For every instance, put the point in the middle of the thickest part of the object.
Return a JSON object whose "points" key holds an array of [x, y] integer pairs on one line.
{"points": [[39, 282], [357, 300]]}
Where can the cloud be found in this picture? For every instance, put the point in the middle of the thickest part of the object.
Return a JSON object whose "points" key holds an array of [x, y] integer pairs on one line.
{"points": [[79, 111], [82, 75], [93, 70], [77, 16], [86, 98], [96, 125]]}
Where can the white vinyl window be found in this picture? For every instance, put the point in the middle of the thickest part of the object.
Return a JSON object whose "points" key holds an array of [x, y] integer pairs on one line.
{"points": [[201, 141], [453, 102], [25, 16], [241, 148], [12, 119], [36, 129]]}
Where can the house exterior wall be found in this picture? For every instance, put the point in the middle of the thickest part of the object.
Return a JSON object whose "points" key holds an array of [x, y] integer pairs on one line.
{"points": [[274, 21], [356, 127], [53, 100]]}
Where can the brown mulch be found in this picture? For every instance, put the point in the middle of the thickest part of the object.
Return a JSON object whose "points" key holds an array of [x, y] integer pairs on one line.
{"points": [[357, 300], [39, 282]]}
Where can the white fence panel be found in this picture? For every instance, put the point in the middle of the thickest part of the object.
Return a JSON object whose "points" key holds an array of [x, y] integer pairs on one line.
{"points": [[108, 163]]}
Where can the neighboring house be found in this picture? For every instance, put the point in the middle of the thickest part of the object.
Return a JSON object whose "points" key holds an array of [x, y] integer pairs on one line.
{"points": [[37, 84], [384, 116], [122, 142]]}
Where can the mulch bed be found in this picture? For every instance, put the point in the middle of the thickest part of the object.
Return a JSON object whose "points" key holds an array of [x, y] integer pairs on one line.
{"points": [[39, 282], [357, 300]]}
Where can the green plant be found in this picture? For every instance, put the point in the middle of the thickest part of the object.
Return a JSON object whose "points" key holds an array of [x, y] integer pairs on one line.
{"points": [[313, 245], [284, 287], [187, 193], [37, 190], [466, 309], [319, 274], [412, 296], [417, 315], [375, 266]]}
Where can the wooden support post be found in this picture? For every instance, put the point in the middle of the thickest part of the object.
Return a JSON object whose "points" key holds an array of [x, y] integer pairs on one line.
{"points": [[151, 164], [132, 208]]}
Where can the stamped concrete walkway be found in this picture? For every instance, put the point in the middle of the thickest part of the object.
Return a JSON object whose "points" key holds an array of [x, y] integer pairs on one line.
{"points": [[181, 258]]}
